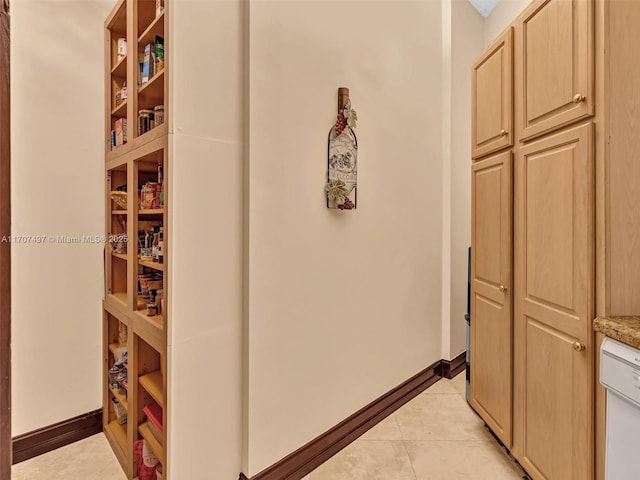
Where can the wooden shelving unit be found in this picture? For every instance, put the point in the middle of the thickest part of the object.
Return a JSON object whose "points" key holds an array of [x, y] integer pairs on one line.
{"points": [[131, 285]]}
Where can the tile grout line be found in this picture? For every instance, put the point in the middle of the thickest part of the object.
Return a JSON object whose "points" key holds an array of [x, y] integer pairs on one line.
{"points": [[404, 444]]}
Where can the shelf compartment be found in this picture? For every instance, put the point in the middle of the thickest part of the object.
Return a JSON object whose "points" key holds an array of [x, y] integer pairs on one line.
{"points": [[120, 111], [120, 68], [117, 436], [153, 91], [157, 448], [152, 383], [154, 265], [156, 28], [120, 397]]}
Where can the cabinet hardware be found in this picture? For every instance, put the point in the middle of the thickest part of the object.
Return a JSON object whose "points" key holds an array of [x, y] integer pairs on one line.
{"points": [[579, 347], [503, 288], [578, 98], [503, 133]]}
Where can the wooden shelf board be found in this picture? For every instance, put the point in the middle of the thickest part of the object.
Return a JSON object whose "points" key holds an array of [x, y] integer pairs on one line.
{"points": [[117, 435], [120, 297], [117, 308], [117, 19], [121, 397], [151, 211], [118, 212], [151, 141], [152, 383], [151, 330], [114, 346], [120, 454], [156, 28], [120, 68], [121, 256], [157, 448], [156, 320], [120, 111], [154, 265]]}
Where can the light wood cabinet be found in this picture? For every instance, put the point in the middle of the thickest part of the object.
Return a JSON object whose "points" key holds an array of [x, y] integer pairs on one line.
{"points": [[132, 321], [492, 97], [555, 65], [491, 273], [554, 306]]}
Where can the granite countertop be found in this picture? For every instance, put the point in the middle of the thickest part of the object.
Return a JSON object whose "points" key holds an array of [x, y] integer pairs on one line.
{"points": [[623, 329]]}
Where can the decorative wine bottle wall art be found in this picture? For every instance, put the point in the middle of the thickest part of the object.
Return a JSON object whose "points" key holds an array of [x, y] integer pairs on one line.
{"points": [[342, 164]]}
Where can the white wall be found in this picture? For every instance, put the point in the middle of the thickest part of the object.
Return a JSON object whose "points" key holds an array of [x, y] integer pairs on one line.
{"points": [[343, 306], [57, 189], [205, 335], [466, 45], [501, 16]]}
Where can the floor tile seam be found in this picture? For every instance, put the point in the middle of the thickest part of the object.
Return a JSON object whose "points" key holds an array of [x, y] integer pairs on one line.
{"points": [[413, 470]]}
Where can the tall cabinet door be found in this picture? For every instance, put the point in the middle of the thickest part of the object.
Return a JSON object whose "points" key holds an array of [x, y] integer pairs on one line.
{"points": [[554, 306], [491, 318], [492, 97], [555, 64]]}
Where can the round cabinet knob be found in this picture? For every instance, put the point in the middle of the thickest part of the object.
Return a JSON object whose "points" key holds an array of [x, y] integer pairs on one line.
{"points": [[503, 288], [577, 98], [503, 133], [579, 347]]}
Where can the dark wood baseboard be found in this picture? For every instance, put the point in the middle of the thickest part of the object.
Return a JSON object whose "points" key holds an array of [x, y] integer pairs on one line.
{"points": [[55, 436], [310, 456], [451, 368]]}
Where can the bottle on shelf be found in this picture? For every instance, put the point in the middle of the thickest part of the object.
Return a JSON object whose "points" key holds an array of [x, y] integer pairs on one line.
{"points": [[161, 245]]}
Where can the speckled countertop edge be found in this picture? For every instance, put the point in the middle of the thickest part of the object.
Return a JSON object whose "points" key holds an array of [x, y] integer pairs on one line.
{"points": [[623, 329]]}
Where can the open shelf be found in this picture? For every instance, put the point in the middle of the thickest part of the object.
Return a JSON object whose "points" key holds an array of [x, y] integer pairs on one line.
{"points": [[120, 111], [119, 434], [134, 164], [154, 265], [120, 68], [152, 383], [157, 448], [151, 211], [120, 397], [156, 321], [153, 90], [120, 297], [156, 28]]}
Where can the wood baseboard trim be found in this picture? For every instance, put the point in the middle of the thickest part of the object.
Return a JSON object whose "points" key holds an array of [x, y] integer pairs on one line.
{"points": [[310, 456], [451, 368], [49, 438]]}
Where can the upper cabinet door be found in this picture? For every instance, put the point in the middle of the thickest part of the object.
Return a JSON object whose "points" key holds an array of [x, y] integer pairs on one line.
{"points": [[555, 64], [492, 93]]}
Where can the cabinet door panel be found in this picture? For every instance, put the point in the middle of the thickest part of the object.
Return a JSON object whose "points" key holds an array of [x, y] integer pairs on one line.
{"points": [[492, 96], [554, 306], [555, 62], [491, 319]]}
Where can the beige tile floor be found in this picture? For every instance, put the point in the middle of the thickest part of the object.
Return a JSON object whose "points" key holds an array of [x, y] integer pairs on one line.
{"points": [[436, 436]]}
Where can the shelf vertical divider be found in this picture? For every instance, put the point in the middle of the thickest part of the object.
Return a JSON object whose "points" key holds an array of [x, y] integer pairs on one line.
{"points": [[132, 233]]}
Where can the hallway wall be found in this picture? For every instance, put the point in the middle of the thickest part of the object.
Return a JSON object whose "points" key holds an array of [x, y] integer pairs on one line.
{"points": [[343, 306], [57, 189]]}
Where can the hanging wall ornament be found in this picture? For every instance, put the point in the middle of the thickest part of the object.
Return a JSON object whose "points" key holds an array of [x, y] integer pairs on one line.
{"points": [[342, 176]]}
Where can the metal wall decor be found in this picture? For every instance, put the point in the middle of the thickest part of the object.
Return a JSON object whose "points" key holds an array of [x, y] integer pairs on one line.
{"points": [[342, 163]]}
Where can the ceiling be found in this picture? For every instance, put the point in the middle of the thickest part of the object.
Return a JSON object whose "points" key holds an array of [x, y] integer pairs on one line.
{"points": [[484, 6]]}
